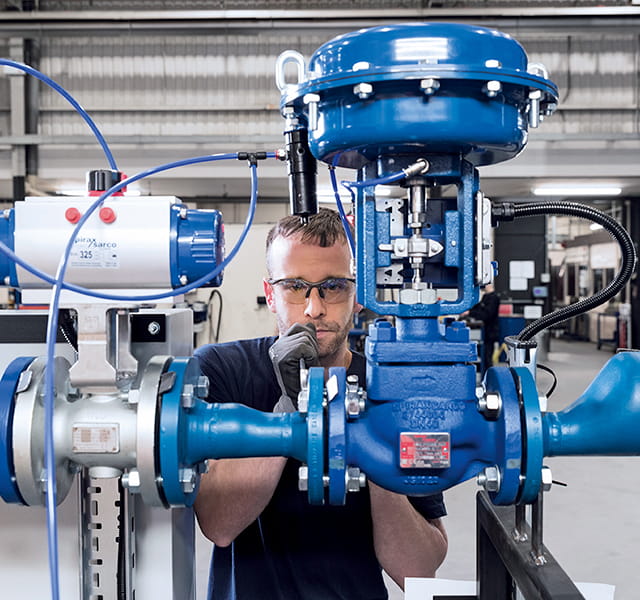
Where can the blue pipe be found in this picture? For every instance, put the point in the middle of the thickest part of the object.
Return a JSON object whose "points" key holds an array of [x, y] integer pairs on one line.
{"points": [[237, 431], [605, 419]]}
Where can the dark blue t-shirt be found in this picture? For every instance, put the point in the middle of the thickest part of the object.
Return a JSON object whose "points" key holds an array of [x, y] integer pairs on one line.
{"points": [[293, 550]]}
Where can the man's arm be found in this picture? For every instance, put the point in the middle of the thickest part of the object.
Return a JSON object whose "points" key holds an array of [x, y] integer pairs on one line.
{"points": [[406, 544], [235, 491], [233, 494]]}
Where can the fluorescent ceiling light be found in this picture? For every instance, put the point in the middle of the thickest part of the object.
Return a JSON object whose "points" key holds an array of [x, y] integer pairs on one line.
{"points": [[577, 189]]}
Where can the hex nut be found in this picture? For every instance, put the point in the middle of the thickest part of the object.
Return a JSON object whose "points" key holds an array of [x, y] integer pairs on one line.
{"points": [[201, 389], [492, 88], [186, 397], [546, 479], [188, 479], [490, 405], [363, 90], [303, 478], [429, 86], [355, 479], [131, 480], [489, 479]]}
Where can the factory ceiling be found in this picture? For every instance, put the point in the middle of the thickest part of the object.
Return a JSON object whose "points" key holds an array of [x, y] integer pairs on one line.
{"points": [[165, 84]]}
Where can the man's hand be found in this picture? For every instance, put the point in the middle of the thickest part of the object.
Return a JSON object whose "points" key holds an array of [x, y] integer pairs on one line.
{"points": [[296, 348]]}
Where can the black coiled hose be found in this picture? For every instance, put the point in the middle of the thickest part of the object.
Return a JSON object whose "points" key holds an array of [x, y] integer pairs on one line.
{"points": [[613, 228]]}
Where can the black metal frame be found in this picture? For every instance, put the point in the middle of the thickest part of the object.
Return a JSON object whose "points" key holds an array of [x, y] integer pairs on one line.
{"points": [[511, 556]]}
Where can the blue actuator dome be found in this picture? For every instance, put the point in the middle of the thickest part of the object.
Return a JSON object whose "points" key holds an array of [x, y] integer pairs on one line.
{"points": [[421, 88]]}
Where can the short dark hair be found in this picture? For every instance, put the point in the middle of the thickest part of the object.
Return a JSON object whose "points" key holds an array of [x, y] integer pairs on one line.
{"points": [[323, 229]]}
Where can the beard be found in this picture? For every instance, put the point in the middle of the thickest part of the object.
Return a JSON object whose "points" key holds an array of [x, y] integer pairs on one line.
{"points": [[333, 343], [329, 345]]}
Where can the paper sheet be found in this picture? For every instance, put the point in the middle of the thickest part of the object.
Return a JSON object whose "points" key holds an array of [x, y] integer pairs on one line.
{"points": [[417, 588]]}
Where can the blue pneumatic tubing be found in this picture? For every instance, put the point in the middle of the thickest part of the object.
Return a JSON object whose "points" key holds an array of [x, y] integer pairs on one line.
{"points": [[343, 216], [52, 327], [379, 181], [69, 98], [356, 184]]}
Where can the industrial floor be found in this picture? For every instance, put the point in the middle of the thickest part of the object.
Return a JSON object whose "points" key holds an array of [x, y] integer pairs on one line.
{"points": [[592, 526]]}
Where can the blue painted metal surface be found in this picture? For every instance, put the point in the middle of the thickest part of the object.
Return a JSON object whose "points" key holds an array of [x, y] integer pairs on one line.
{"points": [[419, 341], [316, 432], [237, 431], [189, 434], [532, 433], [508, 433], [7, 266], [605, 419], [419, 380], [171, 439], [374, 440], [450, 222], [197, 244], [457, 116], [417, 398], [8, 489], [336, 439]]}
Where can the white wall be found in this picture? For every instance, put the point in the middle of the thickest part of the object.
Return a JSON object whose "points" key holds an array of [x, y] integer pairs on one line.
{"points": [[242, 316]]}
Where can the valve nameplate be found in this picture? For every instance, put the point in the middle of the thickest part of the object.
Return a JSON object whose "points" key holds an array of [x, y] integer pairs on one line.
{"points": [[91, 438], [425, 450]]}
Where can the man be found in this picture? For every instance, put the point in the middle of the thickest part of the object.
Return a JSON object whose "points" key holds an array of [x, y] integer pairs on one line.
{"points": [[269, 542], [487, 311]]}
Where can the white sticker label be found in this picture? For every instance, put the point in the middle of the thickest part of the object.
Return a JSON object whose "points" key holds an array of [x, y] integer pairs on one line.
{"points": [[90, 252], [95, 439]]}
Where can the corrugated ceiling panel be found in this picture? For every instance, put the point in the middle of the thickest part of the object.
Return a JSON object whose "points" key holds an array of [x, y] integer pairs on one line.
{"points": [[599, 71], [176, 73], [157, 123], [603, 72], [223, 85]]}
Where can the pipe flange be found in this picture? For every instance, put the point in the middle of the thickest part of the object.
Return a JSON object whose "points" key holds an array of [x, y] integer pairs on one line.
{"points": [[315, 438], [147, 427], [9, 386], [499, 382], [28, 433], [179, 479], [336, 424], [532, 435]]}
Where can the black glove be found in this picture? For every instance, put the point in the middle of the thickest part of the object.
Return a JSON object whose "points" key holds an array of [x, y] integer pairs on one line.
{"points": [[295, 349]]}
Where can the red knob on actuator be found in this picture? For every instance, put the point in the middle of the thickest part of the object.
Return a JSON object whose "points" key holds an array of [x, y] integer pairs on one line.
{"points": [[107, 215], [72, 214]]}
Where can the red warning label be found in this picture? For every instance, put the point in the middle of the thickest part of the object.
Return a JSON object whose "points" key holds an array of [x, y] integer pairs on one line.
{"points": [[425, 450]]}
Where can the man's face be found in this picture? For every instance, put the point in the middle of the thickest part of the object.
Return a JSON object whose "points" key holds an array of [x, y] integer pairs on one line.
{"points": [[290, 258]]}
